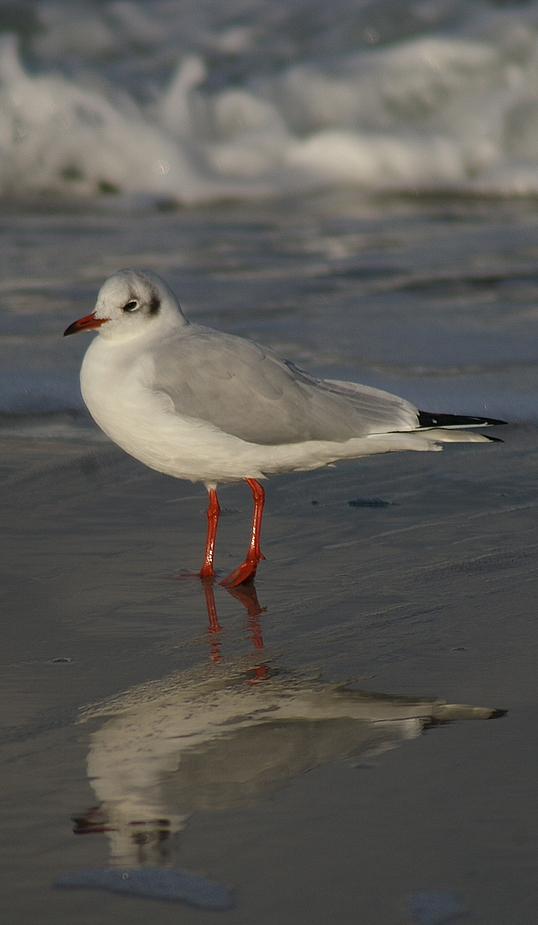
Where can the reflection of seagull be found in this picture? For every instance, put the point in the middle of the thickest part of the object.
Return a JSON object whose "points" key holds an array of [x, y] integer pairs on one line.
{"points": [[210, 741], [210, 407]]}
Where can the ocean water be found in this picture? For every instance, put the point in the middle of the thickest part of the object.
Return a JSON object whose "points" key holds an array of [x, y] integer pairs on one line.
{"points": [[194, 102], [431, 299], [353, 185]]}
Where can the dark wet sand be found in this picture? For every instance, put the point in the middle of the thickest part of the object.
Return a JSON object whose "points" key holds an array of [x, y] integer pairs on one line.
{"points": [[432, 595]]}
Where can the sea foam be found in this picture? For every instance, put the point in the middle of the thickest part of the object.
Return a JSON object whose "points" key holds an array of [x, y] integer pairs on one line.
{"points": [[130, 99]]}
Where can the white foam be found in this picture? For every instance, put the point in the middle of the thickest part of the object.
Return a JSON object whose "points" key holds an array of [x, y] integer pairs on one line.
{"points": [[454, 109], [374, 159]]}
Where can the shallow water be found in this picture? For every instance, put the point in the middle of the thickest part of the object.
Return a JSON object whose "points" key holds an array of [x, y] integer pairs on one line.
{"points": [[430, 594], [434, 300]]}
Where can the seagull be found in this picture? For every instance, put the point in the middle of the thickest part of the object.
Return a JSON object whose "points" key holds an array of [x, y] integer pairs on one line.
{"points": [[210, 407]]}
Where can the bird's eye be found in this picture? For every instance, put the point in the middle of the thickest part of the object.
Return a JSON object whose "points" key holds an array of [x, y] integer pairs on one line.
{"points": [[131, 306]]}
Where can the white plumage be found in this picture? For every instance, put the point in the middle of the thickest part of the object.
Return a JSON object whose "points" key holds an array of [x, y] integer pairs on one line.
{"points": [[207, 406]]}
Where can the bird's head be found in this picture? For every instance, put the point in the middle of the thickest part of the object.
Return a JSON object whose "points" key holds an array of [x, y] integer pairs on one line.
{"points": [[132, 303]]}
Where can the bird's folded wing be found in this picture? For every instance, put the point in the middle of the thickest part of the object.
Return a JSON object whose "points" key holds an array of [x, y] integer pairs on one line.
{"points": [[249, 391]]}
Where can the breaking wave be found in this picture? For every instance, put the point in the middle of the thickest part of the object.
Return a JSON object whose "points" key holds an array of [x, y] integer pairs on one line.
{"points": [[173, 102]]}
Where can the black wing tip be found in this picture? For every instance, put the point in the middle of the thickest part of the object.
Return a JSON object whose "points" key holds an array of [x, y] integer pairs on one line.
{"points": [[430, 419]]}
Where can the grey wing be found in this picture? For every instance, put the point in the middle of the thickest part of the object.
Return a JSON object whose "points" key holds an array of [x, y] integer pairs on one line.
{"points": [[249, 391]]}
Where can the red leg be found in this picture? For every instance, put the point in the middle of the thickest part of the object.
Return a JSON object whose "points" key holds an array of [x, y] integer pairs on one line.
{"points": [[213, 511], [247, 570]]}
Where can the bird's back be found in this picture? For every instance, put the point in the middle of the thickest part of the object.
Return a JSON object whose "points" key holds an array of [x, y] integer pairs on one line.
{"points": [[249, 391]]}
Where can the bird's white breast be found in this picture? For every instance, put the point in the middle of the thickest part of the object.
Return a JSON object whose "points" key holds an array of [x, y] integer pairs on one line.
{"points": [[117, 387]]}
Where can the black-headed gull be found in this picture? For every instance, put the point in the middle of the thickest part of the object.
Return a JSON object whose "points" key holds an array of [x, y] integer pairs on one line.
{"points": [[210, 407]]}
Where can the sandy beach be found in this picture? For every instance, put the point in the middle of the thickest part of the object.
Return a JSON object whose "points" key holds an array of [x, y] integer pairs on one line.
{"points": [[431, 595]]}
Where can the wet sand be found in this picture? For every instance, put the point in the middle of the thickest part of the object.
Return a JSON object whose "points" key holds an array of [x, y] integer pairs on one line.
{"points": [[430, 595]]}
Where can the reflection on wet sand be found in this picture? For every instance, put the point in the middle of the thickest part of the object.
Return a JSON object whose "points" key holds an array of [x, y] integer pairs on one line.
{"points": [[246, 594], [226, 734]]}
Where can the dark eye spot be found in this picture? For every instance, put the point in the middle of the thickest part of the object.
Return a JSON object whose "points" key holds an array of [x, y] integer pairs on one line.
{"points": [[154, 305], [130, 306]]}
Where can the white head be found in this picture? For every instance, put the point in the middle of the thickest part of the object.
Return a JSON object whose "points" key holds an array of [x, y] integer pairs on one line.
{"points": [[132, 303]]}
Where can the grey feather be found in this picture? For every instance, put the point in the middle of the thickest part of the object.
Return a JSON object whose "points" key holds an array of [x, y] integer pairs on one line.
{"points": [[249, 391]]}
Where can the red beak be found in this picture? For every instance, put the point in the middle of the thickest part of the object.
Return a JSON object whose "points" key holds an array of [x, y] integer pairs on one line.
{"points": [[85, 324]]}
